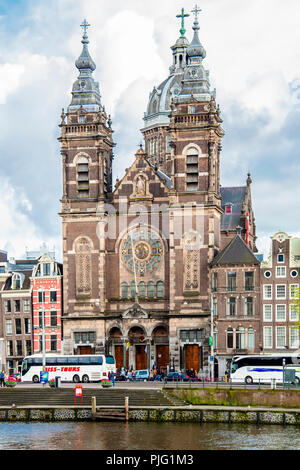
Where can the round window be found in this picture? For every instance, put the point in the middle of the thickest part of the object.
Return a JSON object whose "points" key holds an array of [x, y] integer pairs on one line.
{"points": [[294, 273], [268, 274]]}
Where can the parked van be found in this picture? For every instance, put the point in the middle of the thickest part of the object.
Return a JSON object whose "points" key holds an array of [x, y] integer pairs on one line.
{"points": [[143, 375]]}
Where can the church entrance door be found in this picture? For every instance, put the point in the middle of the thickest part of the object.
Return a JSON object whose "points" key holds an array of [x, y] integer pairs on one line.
{"points": [[192, 357], [119, 357], [85, 350], [162, 357], [141, 357]]}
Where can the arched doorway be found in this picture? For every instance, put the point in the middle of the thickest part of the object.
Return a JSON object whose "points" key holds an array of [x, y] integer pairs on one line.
{"points": [[160, 339], [137, 339], [118, 348]]}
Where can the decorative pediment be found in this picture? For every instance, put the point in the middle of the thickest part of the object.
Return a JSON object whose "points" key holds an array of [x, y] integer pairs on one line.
{"points": [[136, 311]]}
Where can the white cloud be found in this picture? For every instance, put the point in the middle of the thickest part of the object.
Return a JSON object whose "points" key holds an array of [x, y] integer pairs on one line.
{"points": [[252, 56], [10, 79], [17, 228]]}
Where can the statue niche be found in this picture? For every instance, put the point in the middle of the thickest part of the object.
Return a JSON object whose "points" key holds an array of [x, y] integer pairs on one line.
{"points": [[191, 255], [83, 263]]}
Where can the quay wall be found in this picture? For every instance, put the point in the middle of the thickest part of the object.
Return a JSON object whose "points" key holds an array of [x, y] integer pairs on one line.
{"points": [[237, 397], [170, 414]]}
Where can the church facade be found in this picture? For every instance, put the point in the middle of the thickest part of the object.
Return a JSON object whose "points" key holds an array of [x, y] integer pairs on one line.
{"points": [[138, 257]]}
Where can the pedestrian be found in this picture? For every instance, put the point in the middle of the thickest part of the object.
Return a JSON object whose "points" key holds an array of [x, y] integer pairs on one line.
{"points": [[2, 378], [112, 378]]}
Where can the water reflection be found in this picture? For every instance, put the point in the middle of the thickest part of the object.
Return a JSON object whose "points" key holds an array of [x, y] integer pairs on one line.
{"points": [[140, 436]]}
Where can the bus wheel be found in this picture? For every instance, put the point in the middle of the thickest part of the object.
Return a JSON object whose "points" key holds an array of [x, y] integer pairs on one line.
{"points": [[35, 379], [297, 380], [85, 379], [248, 380], [76, 379]]}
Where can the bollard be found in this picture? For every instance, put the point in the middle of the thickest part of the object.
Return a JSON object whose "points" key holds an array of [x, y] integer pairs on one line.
{"points": [[94, 405], [126, 408]]}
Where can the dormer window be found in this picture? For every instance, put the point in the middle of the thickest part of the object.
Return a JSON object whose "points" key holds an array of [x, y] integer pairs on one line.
{"points": [[81, 119], [46, 269], [17, 281], [192, 109]]}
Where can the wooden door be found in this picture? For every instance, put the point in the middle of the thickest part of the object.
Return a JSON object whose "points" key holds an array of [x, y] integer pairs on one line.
{"points": [[192, 357], [141, 357], [162, 357], [119, 357], [85, 350]]}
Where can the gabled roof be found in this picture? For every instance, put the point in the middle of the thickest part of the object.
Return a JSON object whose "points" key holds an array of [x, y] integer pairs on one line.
{"points": [[236, 252], [234, 196]]}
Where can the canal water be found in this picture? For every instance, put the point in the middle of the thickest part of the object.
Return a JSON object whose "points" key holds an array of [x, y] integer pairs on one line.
{"points": [[146, 436]]}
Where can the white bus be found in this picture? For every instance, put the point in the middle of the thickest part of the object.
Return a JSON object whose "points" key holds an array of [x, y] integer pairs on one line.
{"points": [[263, 369], [85, 368]]}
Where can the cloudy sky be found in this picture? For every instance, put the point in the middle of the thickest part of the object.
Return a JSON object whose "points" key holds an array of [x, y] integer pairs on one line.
{"points": [[253, 55]]}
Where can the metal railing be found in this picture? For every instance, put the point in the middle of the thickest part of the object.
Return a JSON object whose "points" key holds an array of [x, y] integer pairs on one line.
{"points": [[222, 384]]}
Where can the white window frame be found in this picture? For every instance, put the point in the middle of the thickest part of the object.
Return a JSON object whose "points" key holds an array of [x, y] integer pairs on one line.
{"points": [[280, 271], [279, 297], [271, 290], [270, 337], [292, 297], [292, 343], [293, 316], [8, 331], [284, 308], [277, 329], [280, 254], [270, 313]]}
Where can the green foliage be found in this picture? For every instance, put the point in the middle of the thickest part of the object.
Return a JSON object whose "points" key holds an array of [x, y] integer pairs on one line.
{"points": [[106, 383], [295, 304], [10, 383]]}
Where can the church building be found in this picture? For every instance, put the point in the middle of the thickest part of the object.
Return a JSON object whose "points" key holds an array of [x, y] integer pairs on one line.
{"points": [[138, 256]]}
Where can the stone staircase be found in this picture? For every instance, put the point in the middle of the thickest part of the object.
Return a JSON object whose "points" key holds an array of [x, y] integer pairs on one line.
{"points": [[48, 397]]}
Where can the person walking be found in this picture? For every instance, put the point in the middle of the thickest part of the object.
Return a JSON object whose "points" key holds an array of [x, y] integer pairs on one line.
{"points": [[112, 378], [2, 378]]}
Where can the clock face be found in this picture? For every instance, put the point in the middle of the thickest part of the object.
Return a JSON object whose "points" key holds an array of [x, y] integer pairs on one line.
{"points": [[141, 251]]}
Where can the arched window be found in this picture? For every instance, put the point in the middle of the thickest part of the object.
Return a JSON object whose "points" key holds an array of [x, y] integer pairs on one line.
{"points": [[16, 281], [240, 338], [192, 169], [251, 337], [151, 289], [142, 290], [124, 290], [160, 289], [83, 176]]}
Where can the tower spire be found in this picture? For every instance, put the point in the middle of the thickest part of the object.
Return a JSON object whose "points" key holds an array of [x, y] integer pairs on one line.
{"points": [[85, 91], [182, 16]]}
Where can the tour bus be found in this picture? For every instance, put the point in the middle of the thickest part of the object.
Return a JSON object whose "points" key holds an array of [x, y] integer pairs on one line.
{"points": [[263, 369], [85, 368]]}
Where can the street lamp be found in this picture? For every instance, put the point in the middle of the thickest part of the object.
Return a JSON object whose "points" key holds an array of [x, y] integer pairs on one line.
{"points": [[43, 329], [212, 341]]}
